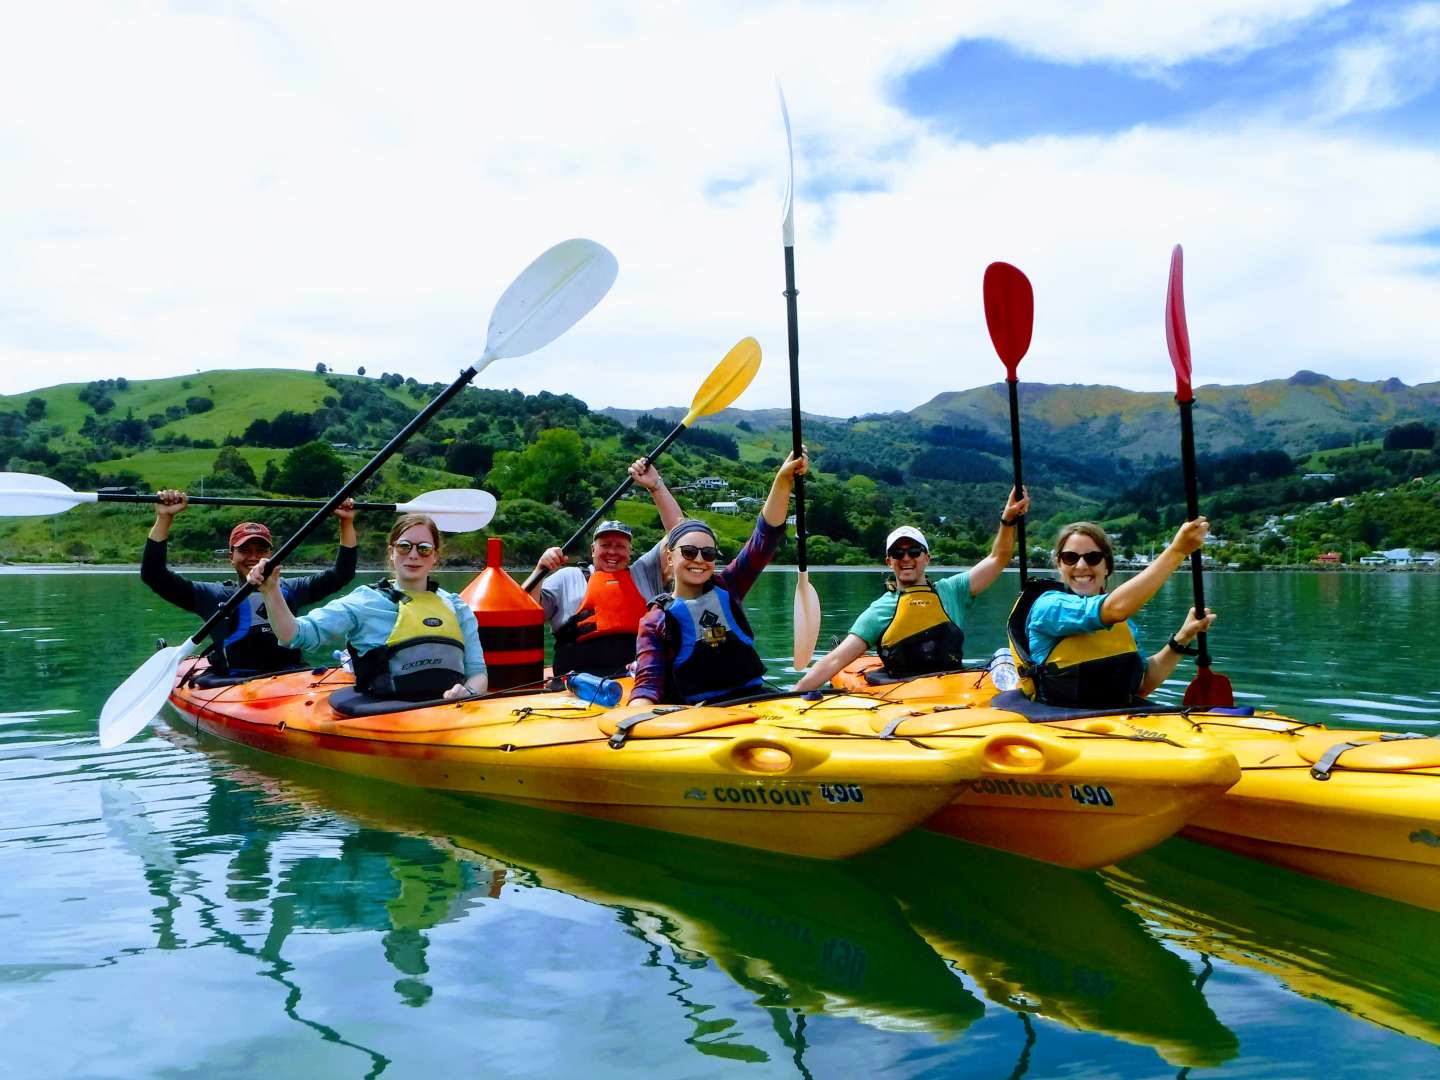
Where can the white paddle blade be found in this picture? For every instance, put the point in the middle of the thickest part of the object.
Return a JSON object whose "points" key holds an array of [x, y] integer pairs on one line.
{"points": [[29, 495], [788, 225], [139, 698], [551, 295], [454, 510], [807, 621]]}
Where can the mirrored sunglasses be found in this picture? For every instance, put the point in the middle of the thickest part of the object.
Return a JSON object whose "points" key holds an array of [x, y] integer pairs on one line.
{"points": [[901, 551], [424, 548], [690, 551], [1092, 558]]}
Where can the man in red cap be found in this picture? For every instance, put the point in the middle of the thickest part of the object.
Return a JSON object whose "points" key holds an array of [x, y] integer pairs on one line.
{"points": [[244, 644]]}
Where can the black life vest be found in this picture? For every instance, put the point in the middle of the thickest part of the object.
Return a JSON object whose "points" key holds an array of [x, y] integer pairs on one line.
{"points": [[250, 646], [714, 647], [920, 639], [424, 655], [1090, 671], [600, 637]]}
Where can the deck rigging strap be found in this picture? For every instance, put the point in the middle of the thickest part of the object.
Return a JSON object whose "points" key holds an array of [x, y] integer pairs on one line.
{"points": [[1322, 769]]}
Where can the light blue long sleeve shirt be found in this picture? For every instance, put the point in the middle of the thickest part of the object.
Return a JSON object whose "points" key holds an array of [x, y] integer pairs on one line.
{"points": [[1056, 615], [364, 620]]}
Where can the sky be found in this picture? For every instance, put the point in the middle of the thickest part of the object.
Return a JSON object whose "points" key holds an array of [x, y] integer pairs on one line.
{"points": [[200, 185]]}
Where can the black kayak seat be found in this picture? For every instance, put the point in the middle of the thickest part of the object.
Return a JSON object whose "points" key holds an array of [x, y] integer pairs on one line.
{"points": [[211, 680], [347, 701], [1038, 712]]}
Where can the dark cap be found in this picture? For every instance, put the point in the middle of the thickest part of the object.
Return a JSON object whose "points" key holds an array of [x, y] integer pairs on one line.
{"points": [[613, 527], [249, 530]]}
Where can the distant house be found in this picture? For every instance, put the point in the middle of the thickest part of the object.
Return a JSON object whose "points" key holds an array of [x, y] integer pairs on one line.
{"points": [[709, 482], [726, 507], [1328, 558], [1398, 556], [1318, 476], [1428, 558], [1373, 560]]}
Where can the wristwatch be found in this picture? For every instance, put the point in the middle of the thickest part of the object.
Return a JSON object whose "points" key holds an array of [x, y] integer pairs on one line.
{"points": [[1183, 650], [1009, 523]]}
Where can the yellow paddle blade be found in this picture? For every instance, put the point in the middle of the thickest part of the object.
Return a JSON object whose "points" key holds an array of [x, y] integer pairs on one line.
{"points": [[807, 620], [727, 382]]}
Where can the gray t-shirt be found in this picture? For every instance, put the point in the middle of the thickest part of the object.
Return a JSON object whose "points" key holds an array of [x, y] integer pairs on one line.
{"points": [[562, 591]]}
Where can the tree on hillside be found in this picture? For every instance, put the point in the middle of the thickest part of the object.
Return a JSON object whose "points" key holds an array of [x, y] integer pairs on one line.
{"points": [[197, 404], [310, 470], [1415, 435], [360, 371], [230, 460], [321, 369], [34, 408], [546, 470]]}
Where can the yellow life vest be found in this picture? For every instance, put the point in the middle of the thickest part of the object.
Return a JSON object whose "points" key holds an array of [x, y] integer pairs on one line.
{"points": [[920, 638], [424, 655], [1096, 670]]}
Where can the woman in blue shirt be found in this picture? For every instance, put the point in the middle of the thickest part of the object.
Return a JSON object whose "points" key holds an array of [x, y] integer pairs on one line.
{"points": [[1080, 648], [410, 639]]}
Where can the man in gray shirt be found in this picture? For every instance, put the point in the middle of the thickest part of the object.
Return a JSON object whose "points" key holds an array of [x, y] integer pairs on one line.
{"points": [[594, 611]]}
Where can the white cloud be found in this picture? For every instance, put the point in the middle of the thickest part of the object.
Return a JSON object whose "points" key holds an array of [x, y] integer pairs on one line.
{"points": [[340, 184]]}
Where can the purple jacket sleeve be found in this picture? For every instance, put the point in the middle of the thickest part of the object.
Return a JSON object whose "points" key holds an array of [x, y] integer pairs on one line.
{"points": [[652, 657], [744, 569]]}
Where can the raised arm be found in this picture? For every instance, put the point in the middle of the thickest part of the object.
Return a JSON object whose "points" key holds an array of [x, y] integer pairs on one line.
{"points": [[984, 573], [644, 473], [1131, 596], [777, 504], [1159, 667]]}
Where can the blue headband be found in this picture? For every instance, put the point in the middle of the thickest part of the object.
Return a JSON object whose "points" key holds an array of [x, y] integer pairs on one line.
{"points": [[689, 525]]}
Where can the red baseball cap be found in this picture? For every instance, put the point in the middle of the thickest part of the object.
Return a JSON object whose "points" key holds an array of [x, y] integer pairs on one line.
{"points": [[249, 530]]}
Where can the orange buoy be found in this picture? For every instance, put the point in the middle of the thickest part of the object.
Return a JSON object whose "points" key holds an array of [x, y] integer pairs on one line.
{"points": [[512, 624]]}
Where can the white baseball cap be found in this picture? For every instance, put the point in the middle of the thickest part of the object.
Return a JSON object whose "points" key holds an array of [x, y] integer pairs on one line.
{"points": [[906, 532]]}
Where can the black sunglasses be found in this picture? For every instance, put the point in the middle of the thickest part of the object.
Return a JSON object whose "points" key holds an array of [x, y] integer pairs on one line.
{"points": [[906, 552], [1092, 558], [690, 551]]}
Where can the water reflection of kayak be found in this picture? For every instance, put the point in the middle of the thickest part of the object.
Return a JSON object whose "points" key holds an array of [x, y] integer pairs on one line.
{"points": [[1055, 942], [1370, 957], [797, 934]]}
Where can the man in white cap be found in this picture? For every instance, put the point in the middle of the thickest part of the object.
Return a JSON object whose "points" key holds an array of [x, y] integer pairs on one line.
{"points": [[919, 628], [594, 611]]}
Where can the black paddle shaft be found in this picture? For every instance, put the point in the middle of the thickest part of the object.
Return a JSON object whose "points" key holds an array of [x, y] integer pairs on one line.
{"points": [[1014, 385], [352, 485], [792, 318], [1192, 511], [208, 500], [540, 573]]}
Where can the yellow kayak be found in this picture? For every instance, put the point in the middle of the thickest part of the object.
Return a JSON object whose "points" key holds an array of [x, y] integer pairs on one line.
{"points": [[1077, 793], [723, 773], [1372, 822]]}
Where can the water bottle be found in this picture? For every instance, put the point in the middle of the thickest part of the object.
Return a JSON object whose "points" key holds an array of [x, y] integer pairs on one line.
{"points": [[1003, 675], [591, 688]]}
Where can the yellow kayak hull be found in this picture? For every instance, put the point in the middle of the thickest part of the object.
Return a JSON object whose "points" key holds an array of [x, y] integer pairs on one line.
{"points": [[722, 774], [1080, 793], [1374, 825]]}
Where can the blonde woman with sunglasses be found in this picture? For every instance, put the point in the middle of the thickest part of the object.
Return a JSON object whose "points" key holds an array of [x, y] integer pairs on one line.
{"points": [[1074, 642], [410, 640], [695, 644]]}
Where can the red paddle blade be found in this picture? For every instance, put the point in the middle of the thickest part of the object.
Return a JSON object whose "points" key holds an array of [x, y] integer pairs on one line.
{"points": [[1209, 690], [1009, 313], [1177, 334]]}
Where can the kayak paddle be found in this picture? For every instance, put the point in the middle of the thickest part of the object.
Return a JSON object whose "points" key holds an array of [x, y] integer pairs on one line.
{"points": [[551, 295], [453, 509], [807, 601], [1209, 688], [723, 385], [1010, 317]]}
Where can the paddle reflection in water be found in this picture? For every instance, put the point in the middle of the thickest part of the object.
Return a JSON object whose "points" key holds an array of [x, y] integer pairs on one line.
{"points": [[1045, 940], [803, 938], [1369, 957]]}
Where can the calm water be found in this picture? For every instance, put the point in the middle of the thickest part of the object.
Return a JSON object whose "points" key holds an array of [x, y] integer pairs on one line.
{"points": [[180, 907]]}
